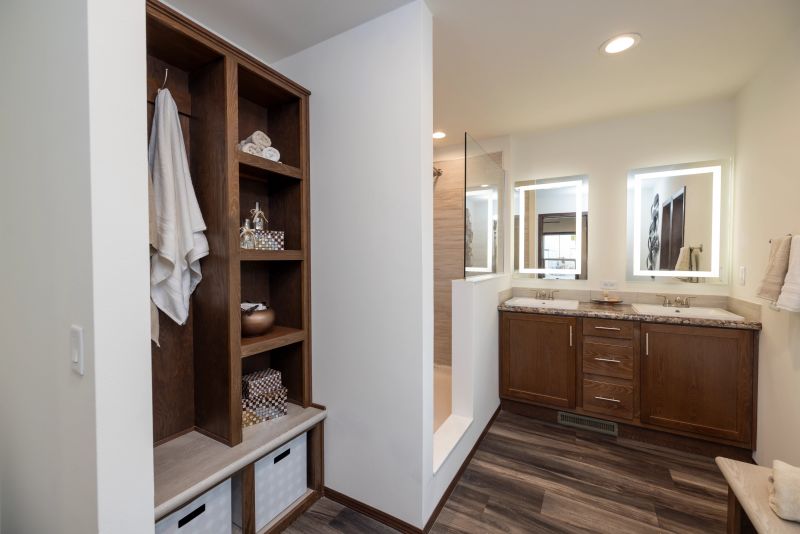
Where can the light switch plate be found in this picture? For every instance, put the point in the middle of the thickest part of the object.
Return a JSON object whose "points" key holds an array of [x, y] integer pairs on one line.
{"points": [[608, 284], [742, 275], [76, 351]]}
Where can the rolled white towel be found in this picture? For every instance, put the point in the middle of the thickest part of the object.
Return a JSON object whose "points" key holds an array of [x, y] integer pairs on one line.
{"points": [[251, 148], [259, 138], [271, 153], [784, 490]]}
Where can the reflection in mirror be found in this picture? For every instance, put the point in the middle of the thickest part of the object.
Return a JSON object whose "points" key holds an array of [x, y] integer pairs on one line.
{"points": [[484, 180], [676, 221], [481, 233], [550, 228]]}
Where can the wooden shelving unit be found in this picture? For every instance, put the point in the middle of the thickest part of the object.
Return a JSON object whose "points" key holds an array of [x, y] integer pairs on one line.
{"points": [[223, 95], [271, 255], [278, 337]]}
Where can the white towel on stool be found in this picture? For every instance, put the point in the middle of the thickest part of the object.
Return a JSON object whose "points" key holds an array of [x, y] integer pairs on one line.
{"points": [[784, 490], [175, 268], [790, 292]]}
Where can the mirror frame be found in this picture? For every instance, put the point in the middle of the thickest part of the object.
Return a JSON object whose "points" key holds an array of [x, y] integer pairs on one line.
{"points": [[578, 185], [638, 176]]}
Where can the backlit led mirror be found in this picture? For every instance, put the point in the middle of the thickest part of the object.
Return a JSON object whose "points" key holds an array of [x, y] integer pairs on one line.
{"points": [[676, 215], [550, 228]]}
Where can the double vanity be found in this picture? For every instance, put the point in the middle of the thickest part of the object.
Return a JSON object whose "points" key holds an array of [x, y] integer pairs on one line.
{"points": [[685, 372]]}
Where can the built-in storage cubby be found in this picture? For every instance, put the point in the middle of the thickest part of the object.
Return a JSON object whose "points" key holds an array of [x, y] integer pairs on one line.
{"points": [[279, 197], [223, 96]]}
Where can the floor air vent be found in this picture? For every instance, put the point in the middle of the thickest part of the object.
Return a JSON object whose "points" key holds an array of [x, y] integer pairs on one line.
{"points": [[588, 423]]}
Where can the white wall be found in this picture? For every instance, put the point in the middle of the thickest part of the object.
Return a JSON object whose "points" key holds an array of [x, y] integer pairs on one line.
{"points": [[766, 191], [475, 366], [606, 151], [371, 239], [76, 452]]}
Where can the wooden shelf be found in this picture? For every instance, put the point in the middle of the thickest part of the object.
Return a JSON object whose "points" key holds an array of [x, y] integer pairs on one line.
{"points": [[193, 463], [262, 168], [280, 336], [270, 255]]}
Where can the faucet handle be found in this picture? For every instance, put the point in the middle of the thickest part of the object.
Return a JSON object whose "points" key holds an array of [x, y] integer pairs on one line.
{"points": [[552, 293], [667, 301], [686, 301]]}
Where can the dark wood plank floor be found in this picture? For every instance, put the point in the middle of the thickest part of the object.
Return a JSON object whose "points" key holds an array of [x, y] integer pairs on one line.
{"points": [[529, 476]]}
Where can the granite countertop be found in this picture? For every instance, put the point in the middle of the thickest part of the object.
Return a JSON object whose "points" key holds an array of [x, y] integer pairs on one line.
{"points": [[625, 312]]}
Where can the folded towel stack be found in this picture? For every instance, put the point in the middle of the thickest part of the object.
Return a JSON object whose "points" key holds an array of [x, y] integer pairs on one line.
{"points": [[259, 144], [777, 266], [784, 490]]}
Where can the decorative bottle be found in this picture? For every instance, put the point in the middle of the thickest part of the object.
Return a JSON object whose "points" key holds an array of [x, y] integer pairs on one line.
{"points": [[247, 238], [260, 224]]}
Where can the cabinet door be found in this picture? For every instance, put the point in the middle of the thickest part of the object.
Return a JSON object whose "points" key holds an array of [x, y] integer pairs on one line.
{"points": [[698, 379], [537, 359]]}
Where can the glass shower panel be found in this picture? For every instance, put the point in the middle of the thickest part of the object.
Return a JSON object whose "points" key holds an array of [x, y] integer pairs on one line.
{"points": [[484, 181]]}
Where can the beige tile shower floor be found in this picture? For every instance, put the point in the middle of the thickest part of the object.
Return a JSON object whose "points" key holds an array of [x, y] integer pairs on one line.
{"points": [[442, 394]]}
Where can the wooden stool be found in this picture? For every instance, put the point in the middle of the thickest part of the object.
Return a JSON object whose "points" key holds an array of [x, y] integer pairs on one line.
{"points": [[748, 500]]}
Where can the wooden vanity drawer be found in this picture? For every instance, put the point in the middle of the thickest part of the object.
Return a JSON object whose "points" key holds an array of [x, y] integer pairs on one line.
{"points": [[608, 357], [608, 328], [608, 398]]}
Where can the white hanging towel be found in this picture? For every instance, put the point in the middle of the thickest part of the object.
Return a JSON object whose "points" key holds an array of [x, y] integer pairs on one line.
{"points": [[175, 268], [789, 298]]}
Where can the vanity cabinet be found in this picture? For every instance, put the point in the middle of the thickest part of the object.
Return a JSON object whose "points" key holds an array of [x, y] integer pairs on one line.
{"points": [[538, 359], [698, 380], [694, 381]]}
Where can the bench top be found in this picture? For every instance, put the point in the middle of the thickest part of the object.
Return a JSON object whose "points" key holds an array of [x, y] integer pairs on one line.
{"points": [[750, 484]]}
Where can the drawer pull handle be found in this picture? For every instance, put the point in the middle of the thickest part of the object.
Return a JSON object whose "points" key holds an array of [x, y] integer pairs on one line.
{"points": [[282, 455], [570, 335], [189, 517], [607, 399], [612, 328], [611, 360]]}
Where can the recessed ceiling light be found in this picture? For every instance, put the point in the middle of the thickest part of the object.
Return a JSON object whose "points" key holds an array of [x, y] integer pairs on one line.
{"points": [[620, 43], [484, 185], [439, 135]]}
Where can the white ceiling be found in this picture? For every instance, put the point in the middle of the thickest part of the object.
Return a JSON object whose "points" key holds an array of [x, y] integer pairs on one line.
{"points": [[504, 66], [275, 29]]}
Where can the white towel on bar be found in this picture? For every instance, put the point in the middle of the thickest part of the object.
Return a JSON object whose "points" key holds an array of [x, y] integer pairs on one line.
{"points": [[790, 292], [777, 264], [784, 490], [175, 268], [683, 263]]}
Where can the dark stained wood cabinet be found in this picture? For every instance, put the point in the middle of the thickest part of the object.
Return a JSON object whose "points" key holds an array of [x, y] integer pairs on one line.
{"points": [[538, 359], [698, 379], [692, 381]]}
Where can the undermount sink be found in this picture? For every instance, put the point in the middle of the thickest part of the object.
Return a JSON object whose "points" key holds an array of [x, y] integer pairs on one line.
{"points": [[527, 302], [690, 313]]}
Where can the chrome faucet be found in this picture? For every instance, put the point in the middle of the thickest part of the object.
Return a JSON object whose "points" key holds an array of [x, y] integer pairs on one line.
{"points": [[678, 302], [683, 302], [544, 295]]}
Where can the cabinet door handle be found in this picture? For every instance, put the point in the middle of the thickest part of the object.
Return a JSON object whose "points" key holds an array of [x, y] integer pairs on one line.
{"points": [[611, 360], [570, 335], [613, 328], [607, 399], [647, 343]]}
